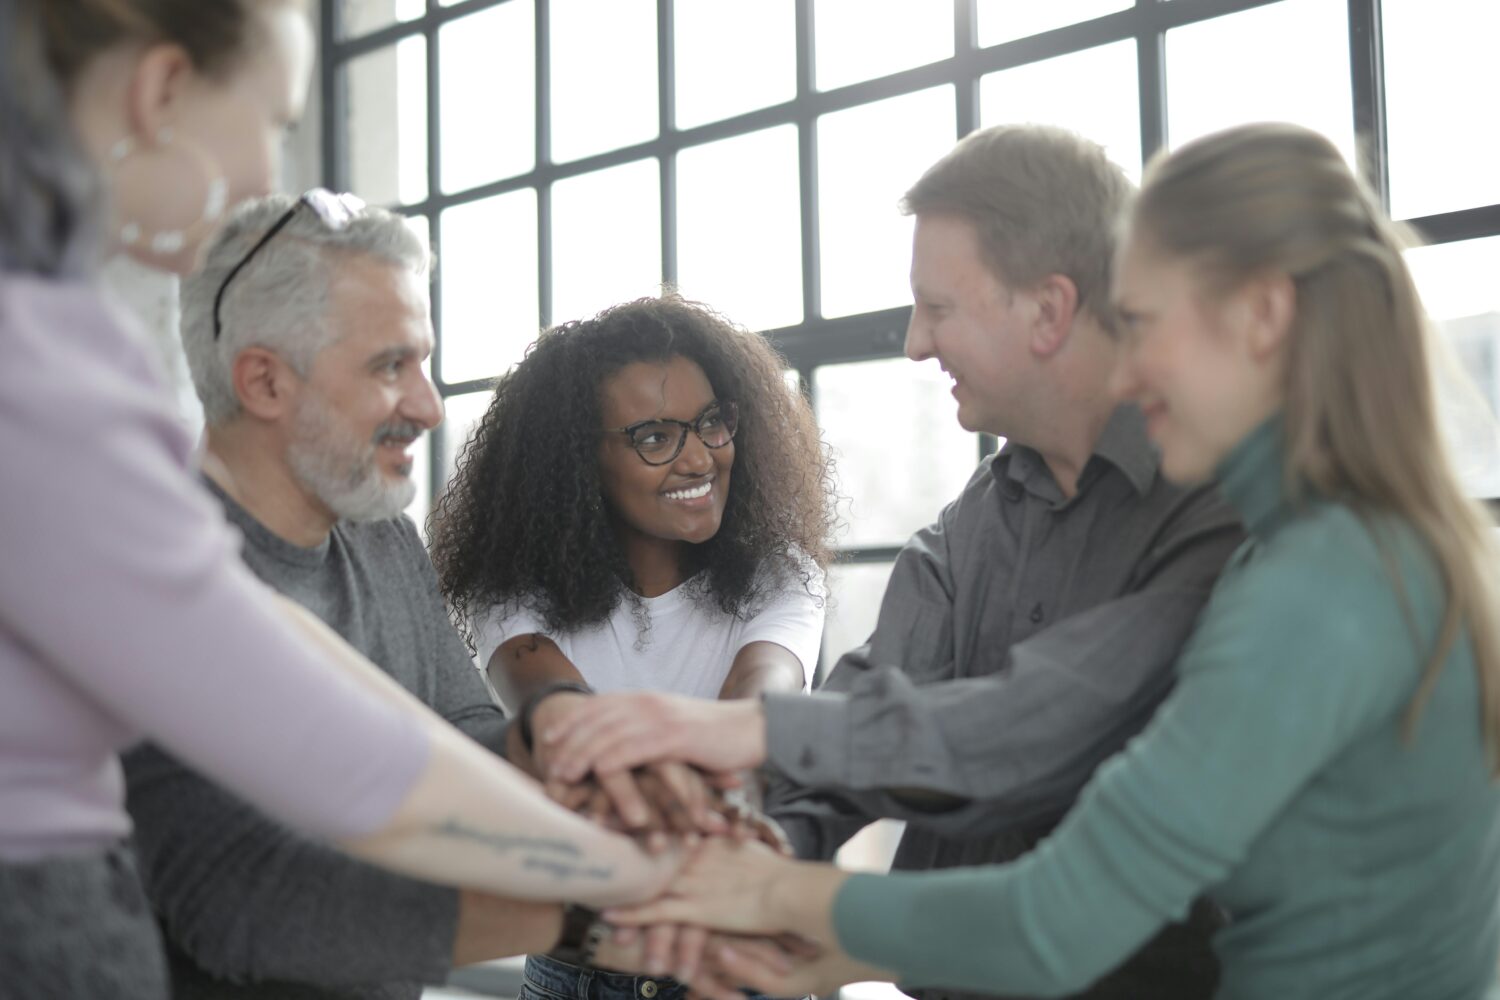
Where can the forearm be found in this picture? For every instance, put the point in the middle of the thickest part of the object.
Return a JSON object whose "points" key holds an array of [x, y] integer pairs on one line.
{"points": [[1047, 925], [491, 927], [760, 668], [1018, 744], [523, 665], [800, 900], [472, 820]]}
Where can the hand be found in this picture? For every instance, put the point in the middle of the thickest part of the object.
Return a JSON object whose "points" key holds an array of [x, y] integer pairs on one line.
{"points": [[616, 732], [749, 823], [746, 888], [661, 950], [666, 797], [780, 967], [653, 801], [551, 712]]}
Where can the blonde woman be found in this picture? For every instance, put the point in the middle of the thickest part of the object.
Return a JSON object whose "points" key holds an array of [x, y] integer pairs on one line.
{"points": [[1324, 768]]}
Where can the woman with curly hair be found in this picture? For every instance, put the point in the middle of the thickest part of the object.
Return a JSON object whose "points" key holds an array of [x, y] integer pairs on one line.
{"points": [[645, 505]]}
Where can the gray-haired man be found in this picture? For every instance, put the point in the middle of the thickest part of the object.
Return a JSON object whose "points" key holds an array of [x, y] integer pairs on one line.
{"points": [[306, 348]]}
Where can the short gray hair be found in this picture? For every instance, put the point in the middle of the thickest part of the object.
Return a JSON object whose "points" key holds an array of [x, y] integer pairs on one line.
{"points": [[278, 301]]}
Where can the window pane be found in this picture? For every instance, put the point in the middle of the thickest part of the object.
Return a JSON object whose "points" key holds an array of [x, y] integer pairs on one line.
{"points": [[488, 95], [360, 17], [462, 415], [603, 82], [1006, 20], [606, 239], [1459, 291], [732, 58], [1094, 92], [739, 227], [1220, 72], [893, 421], [489, 287], [863, 39], [867, 159], [387, 123], [856, 590], [1442, 154]]}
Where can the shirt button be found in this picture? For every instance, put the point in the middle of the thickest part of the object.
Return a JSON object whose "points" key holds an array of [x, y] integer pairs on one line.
{"points": [[1036, 613], [648, 989]]}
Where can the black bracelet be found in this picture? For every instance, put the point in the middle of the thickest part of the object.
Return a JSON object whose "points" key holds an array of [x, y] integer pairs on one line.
{"points": [[582, 933], [528, 707]]}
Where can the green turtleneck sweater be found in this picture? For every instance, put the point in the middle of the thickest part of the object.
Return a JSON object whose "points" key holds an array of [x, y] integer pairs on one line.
{"points": [[1275, 779]]}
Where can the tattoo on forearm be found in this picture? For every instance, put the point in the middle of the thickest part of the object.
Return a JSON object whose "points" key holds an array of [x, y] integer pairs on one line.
{"points": [[564, 870], [558, 858]]}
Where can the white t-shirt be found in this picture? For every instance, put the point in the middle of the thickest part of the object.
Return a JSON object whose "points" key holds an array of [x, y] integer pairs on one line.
{"points": [[689, 647]]}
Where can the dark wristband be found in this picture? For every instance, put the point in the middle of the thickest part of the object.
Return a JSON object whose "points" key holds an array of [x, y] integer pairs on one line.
{"points": [[528, 707], [582, 933]]}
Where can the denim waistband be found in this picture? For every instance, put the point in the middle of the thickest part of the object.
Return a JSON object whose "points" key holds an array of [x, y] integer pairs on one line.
{"points": [[572, 982]]}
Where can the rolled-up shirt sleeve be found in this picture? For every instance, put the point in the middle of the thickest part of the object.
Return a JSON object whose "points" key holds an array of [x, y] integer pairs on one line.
{"points": [[1014, 746]]}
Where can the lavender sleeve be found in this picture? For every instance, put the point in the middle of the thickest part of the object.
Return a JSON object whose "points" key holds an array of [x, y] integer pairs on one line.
{"points": [[122, 578]]}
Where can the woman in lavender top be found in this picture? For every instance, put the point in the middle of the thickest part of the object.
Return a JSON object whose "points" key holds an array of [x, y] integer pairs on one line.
{"points": [[124, 610]]}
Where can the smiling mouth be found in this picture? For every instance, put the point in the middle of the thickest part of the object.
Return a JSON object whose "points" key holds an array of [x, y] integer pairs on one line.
{"points": [[397, 443], [692, 492]]}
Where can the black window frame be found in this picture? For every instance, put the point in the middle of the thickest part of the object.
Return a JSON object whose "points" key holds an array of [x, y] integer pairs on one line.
{"points": [[818, 341]]}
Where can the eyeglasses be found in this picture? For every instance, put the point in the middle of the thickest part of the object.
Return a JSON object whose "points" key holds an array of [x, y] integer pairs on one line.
{"points": [[335, 211], [660, 441]]}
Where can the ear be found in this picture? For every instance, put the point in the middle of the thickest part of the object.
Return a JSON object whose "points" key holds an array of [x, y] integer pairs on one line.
{"points": [[1056, 300], [264, 383], [161, 75], [1270, 305]]}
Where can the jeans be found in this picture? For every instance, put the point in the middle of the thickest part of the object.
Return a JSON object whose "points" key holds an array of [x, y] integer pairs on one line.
{"points": [[549, 979]]}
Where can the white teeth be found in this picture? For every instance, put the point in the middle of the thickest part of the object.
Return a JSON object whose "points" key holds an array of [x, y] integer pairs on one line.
{"points": [[692, 494]]}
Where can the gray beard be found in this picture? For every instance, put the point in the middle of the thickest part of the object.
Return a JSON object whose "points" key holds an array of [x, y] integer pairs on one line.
{"points": [[344, 476]]}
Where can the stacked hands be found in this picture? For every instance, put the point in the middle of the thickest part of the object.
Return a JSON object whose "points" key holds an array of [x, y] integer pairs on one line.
{"points": [[674, 772]]}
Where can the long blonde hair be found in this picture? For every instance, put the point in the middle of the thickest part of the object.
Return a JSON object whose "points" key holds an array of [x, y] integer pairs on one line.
{"points": [[1276, 198]]}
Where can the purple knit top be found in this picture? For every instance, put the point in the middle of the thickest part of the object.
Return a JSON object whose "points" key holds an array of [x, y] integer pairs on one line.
{"points": [[125, 613]]}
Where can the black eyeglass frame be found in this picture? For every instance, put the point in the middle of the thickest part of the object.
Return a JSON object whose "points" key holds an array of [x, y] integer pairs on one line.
{"points": [[728, 409], [335, 211]]}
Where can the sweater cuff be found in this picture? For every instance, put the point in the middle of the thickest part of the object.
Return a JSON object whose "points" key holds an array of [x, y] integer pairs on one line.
{"points": [[808, 737], [869, 920]]}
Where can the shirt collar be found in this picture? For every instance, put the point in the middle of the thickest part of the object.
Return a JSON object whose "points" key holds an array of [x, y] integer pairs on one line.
{"points": [[1253, 475], [1123, 444], [264, 538]]}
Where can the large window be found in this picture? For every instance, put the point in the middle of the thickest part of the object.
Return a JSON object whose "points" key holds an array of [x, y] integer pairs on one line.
{"points": [[565, 154]]}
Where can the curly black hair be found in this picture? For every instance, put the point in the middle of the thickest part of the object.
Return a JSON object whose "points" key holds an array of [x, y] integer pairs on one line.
{"points": [[522, 522]]}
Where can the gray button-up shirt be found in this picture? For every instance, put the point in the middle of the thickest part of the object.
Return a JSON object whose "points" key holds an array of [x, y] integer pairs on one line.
{"points": [[1052, 623]]}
